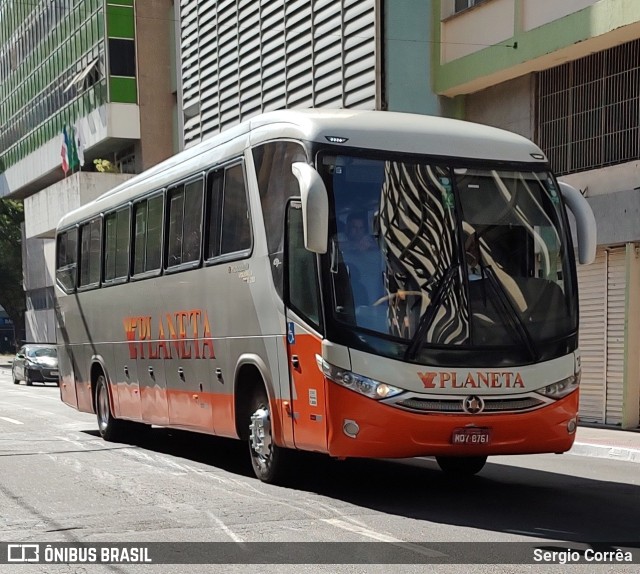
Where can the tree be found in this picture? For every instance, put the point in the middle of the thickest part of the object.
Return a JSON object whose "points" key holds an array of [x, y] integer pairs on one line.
{"points": [[12, 296]]}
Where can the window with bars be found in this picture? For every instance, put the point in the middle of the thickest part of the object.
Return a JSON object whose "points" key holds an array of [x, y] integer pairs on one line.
{"points": [[588, 112]]}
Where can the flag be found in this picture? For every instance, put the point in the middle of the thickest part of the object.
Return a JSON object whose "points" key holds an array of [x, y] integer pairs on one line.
{"points": [[79, 139], [63, 152], [72, 150]]}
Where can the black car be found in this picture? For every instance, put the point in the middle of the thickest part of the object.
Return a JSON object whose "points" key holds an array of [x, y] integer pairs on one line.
{"points": [[36, 363]]}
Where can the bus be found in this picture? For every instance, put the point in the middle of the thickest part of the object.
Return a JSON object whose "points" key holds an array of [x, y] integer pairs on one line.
{"points": [[353, 283]]}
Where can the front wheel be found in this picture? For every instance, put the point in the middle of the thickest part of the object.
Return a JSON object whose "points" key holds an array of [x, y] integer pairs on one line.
{"points": [[269, 461], [461, 465], [111, 429]]}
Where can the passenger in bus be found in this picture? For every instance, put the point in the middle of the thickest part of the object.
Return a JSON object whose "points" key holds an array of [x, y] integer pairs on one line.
{"points": [[358, 238]]}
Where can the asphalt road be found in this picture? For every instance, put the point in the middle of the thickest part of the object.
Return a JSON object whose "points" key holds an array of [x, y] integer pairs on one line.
{"points": [[60, 482]]}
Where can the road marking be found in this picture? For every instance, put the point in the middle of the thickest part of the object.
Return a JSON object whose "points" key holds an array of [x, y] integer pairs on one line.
{"points": [[361, 530], [418, 549], [14, 421], [225, 528]]}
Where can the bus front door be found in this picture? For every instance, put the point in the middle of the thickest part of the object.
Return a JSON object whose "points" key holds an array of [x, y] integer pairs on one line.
{"points": [[304, 341]]}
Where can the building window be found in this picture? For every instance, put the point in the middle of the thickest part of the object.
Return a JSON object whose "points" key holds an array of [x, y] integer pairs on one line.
{"points": [[588, 112], [40, 299], [122, 57], [461, 5]]}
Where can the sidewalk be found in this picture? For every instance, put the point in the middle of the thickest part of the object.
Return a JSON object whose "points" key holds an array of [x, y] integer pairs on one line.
{"points": [[593, 441], [607, 443]]}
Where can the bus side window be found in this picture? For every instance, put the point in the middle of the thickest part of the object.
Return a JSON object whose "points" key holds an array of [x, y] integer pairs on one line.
{"points": [[236, 225], [90, 241], [67, 259], [185, 223], [214, 204], [147, 246], [116, 245]]}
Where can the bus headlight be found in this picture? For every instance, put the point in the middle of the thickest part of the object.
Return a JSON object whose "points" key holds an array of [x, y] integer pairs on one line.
{"points": [[561, 388], [359, 383]]}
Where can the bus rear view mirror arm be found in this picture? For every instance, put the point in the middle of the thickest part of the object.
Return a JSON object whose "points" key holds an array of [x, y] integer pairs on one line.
{"points": [[315, 207], [585, 222]]}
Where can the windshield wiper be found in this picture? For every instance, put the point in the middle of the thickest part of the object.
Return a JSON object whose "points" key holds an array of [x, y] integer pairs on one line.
{"points": [[430, 313], [511, 311]]}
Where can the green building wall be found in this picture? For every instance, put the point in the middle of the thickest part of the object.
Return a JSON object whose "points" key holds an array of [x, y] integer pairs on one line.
{"points": [[43, 46]]}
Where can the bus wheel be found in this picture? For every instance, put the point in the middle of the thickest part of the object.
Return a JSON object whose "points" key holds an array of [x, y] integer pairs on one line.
{"points": [[268, 459], [461, 465], [111, 429]]}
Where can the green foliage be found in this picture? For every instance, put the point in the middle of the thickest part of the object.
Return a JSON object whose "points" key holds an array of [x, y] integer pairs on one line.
{"points": [[105, 166], [12, 296]]}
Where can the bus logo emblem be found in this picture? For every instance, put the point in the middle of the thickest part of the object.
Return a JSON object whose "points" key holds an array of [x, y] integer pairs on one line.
{"points": [[473, 405]]}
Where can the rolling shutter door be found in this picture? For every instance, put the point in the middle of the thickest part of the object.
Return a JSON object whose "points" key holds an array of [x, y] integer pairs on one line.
{"points": [[602, 287], [243, 57], [592, 285], [616, 311]]}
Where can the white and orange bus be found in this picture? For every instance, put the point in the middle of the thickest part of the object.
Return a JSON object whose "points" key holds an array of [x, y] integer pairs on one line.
{"points": [[355, 283]]}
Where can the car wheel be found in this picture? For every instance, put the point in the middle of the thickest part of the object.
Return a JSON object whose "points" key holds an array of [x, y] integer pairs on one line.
{"points": [[111, 429], [27, 379], [269, 461], [461, 465]]}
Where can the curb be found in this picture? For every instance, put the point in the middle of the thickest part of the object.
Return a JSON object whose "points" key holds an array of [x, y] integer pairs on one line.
{"points": [[602, 451]]}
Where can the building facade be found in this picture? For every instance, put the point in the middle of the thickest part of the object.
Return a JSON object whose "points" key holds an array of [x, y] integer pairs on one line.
{"points": [[243, 57], [103, 70], [567, 75]]}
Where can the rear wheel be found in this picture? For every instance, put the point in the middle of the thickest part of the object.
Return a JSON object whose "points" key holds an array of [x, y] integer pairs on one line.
{"points": [[111, 429], [269, 461], [461, 465]]}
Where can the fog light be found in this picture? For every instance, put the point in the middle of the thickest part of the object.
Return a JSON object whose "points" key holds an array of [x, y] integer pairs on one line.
{"points": [[571, 426], [350, 428]]}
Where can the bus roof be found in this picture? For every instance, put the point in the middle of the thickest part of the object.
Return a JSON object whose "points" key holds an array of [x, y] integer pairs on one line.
{"points": [[395, 131]]}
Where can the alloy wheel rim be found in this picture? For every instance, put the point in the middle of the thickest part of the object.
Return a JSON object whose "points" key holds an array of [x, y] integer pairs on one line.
{"points": [[260, 436]]}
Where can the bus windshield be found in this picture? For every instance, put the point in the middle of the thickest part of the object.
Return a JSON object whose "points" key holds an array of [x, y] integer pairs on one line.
{"points": [[439, 255]]}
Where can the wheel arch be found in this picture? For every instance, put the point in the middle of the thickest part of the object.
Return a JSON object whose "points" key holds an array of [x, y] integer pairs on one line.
{"points": [[98, 366], [250, 374]]}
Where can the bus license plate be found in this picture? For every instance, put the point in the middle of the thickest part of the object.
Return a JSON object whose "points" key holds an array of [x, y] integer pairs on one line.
{"points": [[471, 435]]}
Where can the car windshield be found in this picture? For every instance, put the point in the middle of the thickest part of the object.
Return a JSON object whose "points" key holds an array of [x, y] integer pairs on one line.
{"points": [[439, 255], [42, 352]]}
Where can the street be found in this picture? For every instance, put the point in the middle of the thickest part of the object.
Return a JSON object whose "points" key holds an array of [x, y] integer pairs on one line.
{"points": [[60, 482]]}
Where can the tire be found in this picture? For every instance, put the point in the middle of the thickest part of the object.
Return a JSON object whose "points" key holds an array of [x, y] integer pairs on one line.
{"points": [[270, 462], [27, 379], [111, 429], [461, 465]]}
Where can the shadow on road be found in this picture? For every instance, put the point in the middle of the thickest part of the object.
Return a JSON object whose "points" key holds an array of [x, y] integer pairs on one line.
{"points": [[501, 498]]}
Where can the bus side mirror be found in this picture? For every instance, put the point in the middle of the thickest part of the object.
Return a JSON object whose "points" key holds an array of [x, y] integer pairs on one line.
{"points": [[585, 222], [315, 207]]}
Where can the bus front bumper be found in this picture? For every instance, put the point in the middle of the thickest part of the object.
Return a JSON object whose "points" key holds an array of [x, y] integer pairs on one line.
{"points": [[362, 427]]}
